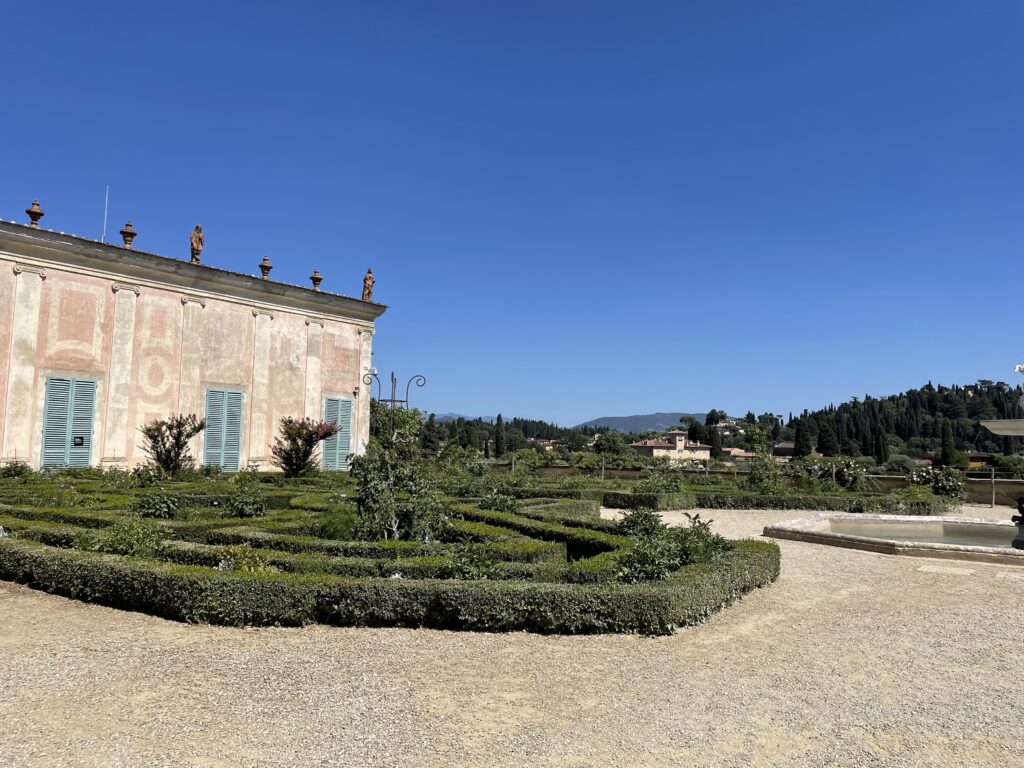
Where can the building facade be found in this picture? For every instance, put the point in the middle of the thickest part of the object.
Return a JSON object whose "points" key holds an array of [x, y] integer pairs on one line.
{"points": [[675, 446], [97, 340]]}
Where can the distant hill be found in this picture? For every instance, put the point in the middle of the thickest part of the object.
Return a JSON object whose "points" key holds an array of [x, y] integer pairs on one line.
{"points": [[657, 422]]}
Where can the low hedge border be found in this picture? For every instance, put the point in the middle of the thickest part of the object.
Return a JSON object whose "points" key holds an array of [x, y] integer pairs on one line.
{"points": [[199, 594], [518, 550], [856, 503], [425, 567], [579, 542]]}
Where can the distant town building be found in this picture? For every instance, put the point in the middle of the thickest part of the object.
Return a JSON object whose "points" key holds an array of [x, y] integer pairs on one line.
{"points": [[675, 447], [738, 454]]}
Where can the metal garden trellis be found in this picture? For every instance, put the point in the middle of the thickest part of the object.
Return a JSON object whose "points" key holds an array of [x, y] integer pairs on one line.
{"points": [[392, 402]]}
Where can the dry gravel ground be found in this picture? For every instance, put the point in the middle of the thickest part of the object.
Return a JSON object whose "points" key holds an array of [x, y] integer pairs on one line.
{"points": [[850, 659]]}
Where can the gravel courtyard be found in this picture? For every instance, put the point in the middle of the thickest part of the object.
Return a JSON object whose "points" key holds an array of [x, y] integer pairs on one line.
{"points": [[850, 659]]}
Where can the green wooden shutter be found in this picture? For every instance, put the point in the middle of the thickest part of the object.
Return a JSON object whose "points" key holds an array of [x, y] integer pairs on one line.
{"points": [[213, 444], [55, 422], [336, 449], [223, 434], [232, 431], [83, 405], [68, 422]]}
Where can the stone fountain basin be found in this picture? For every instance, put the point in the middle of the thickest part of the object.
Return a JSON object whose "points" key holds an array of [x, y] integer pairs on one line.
{"points": [[956, 538]]}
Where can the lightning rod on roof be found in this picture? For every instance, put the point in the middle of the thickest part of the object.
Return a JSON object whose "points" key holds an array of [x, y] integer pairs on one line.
{"points": [[106, 201]]}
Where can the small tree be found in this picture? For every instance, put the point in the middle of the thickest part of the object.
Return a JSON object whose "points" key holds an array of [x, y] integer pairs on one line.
{"points": [[827, 443], [499, 437], [295, 448], [801, 441], [947, 456], [610, 442], [167, 441], [716, 443]]}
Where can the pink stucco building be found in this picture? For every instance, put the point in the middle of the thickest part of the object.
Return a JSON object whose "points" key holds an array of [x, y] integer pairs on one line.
{"points": [[97, 339]]}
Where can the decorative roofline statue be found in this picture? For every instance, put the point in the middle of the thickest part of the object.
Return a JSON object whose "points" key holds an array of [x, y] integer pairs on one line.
{"points": [[368, 282], [196, 242]]}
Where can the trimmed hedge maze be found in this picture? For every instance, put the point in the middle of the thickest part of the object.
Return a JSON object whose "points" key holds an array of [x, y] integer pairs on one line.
{"points": [[548, 567]]}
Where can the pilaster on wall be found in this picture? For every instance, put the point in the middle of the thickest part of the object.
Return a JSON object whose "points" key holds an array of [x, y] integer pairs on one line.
{"points": [[190, 390], [115, 448], [259, 402], [362, 404], [18, 405], [314, 349]]}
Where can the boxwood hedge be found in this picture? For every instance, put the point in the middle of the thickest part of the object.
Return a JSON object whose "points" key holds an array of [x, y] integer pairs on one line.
{"points": [[552, 566], [202, 594]]}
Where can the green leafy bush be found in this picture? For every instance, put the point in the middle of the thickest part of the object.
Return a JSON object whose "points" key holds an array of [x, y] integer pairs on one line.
{"points": [[652, 558], [248, 500], [16, 469], [499, 502], [132, 536], [242, 557], [641, 522], [157, 503], [474, 563]]}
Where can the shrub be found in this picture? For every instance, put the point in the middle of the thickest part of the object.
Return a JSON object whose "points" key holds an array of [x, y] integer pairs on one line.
{"points": [[835, 473], [167, 441], [696, 542], [132, 536], [652, 558], [659, 477], [294, 449], [247, 500], [944, 481], [242, 557], [658, 551], [157, 503], [641, 522], [16, 468], [764, 473], [474, 563], [499, 502]]}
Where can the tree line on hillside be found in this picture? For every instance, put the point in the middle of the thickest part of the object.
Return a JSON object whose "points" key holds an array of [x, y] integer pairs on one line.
{"points": [[496, 439], [942, 422]]}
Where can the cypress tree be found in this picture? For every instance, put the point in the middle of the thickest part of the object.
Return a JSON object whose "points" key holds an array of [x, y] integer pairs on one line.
{"points": [[881, 451], [947, 454], [867, 443], [499, 437], [801, 441], [827, 444], [716, 443], [430, 440]]}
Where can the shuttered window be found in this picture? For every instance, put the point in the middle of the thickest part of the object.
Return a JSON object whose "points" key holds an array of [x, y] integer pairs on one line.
{"points": [[68, 422], [336, 449], [223, 433]]}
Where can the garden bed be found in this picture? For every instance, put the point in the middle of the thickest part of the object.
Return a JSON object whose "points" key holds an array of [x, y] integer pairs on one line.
{"points": [[550, 567]]}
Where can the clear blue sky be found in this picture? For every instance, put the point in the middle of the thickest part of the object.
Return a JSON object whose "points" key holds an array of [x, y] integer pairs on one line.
{"points": [[573, 209]]}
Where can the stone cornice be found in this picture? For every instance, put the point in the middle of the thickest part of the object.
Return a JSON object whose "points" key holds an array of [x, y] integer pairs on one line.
{"points": [[35, 249]]}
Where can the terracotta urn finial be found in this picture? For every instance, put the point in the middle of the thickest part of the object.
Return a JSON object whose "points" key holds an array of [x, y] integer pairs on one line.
{"points": [[128, 234], [316, 278], [35, 213], [265, 267]]}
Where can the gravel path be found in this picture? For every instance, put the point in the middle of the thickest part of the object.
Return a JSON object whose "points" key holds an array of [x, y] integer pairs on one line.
{"points": [[850, 659]]}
